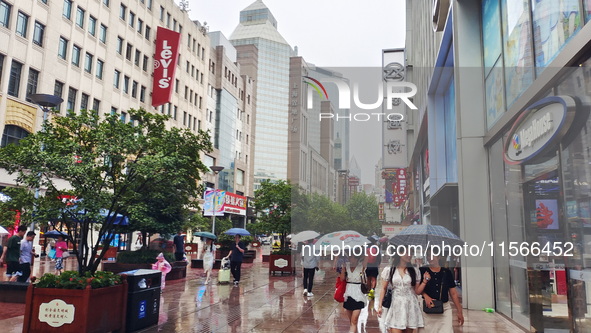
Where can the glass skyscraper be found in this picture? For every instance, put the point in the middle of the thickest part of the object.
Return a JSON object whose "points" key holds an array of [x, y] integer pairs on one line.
{"points": [[258, 27]]}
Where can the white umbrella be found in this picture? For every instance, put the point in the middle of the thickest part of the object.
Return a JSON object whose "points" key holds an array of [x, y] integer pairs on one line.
{"points": [[304, 236], [3, 231], [342, 238]]}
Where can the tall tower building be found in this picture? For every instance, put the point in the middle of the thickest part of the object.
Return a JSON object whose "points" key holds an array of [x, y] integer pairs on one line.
{"points": [[258, 27]]}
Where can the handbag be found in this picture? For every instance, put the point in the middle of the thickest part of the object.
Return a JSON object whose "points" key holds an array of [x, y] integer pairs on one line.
{"points": [[365, 286], [65, 254], [51, 254], [387, 301], [437, 304], [340, 287]]}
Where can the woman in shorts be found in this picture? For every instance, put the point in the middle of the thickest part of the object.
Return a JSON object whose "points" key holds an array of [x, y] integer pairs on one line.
{"points": [[355, 300]]}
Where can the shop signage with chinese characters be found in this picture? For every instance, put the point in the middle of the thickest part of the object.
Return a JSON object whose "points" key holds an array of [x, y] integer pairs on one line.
{"points": [[539, 128], [167, 49], [56, 313], [235, 204]]}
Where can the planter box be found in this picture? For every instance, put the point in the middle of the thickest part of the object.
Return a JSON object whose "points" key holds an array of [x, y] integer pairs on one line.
{"points": [[198, 263], [75, 310], [179, 268], [282, 263], [266, 257], [220, 253], [13, 292]]}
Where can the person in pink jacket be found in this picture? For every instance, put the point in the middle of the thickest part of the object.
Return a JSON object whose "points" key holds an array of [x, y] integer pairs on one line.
{"points": [[163, 266]]}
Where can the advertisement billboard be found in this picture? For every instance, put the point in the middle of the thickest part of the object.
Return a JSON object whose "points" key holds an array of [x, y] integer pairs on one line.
{"points": [[165, 58], [235, 204]]}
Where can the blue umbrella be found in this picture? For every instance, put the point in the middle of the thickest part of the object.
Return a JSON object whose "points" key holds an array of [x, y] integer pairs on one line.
{"points": [[205, 234], [237, 231], [55, 234]]}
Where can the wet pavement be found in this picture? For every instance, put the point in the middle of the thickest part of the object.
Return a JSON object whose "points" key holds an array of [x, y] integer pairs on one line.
{"points": [[260, 303]]}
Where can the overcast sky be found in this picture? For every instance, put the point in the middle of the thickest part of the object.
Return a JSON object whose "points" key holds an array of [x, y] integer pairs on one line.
{"points": [[331, 33]]}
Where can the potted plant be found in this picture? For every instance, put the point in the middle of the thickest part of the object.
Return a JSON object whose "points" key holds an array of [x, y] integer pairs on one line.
{"points": [[70, 302]]}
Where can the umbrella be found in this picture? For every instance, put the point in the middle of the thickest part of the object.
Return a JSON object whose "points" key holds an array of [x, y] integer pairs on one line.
{"points": [[341, 238], [426, 234], [55, 234], [3, 231], [237, 231], [205, 234], [304, 236]]}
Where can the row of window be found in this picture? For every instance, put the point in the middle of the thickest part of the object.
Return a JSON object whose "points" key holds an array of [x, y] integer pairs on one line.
{"points": [[196, 47], [175, 24], [148, 4], [125, 86], [193, 97], [189, 121], [22, 23], [131, 20], [194, 72], [14, 80], [130, 55], [81, 21], [62, 52]]}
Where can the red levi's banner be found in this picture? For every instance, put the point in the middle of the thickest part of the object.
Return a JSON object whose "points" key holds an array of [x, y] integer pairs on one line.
{"points": [[167, 50]]}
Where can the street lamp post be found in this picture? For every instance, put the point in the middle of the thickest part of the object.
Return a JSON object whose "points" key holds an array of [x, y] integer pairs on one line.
{"points": [[46, 102], [216, 169]]}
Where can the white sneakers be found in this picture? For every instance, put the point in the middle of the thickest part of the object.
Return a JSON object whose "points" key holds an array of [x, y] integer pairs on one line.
{"points": [[305, 292], [310, 294]]}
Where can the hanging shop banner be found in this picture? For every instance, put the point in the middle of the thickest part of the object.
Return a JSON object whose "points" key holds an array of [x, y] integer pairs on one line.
{"points": [[214, 200], [540, 127], [235, 204], [167, 49]]}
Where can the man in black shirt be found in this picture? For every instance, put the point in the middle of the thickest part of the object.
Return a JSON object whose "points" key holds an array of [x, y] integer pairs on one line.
{"points": [[236, 255], [179, 246]]}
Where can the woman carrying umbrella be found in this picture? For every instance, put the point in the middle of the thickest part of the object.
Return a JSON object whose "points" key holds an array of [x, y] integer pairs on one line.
{"points": [[237, 250], [208, 254]]}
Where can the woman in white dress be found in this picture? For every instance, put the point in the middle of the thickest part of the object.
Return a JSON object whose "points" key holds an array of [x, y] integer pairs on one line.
{"points": [[355, 300], [208, 257], [404, 314]]}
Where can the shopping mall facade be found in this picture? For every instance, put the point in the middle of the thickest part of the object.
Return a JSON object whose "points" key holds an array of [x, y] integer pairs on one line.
{"points": [[502, 151]]}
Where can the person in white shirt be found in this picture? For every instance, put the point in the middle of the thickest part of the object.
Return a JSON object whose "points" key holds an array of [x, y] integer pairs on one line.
{"points": [[310, 264]]}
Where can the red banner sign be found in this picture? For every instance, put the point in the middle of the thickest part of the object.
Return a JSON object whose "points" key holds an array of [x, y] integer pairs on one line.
{"points": [[167, 50], [235, 204]]}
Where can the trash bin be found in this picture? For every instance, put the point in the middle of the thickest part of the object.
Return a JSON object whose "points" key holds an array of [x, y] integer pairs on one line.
{"points": [[143, 301]]}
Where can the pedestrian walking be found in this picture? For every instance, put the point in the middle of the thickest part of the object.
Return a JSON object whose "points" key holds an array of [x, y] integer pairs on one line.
{"points": [[355, 299], [439, 289], [12, 252], [61, 246], [164, 266], [310, 265], [26, 257], [236, 256], [404, 314], [374, 259], [179, 246], [208, 258]]}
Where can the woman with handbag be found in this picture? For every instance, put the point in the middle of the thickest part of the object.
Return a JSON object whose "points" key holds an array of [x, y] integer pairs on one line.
{"points": [[355, 298], [61, 252], [438, 290], [404, 314]]}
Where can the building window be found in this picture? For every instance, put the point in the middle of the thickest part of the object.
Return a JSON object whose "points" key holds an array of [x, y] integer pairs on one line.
{"points": [[71, 104], [150, 4], [126, 84], [113, 110], [173, 24], [13, 134], [106, 2], [5, 14], [161, 13], [84, 101], [62, 51], [142, 94], [147, 34], [145, 64], [76, 55], [134, 89], [22, 22], [80, 17], [168, 20], [138, 56], [123, 117], [1, 66], [116, 79], [185, 118], [99, 69], [15, 78], [122, 12], [58, 90], [103, 34], [32, 83], [89, 59], [91, 25], [38, 33], [140, 26], [67, 9], [129, 51], [96, 104], [131, 19], [119, 45]]}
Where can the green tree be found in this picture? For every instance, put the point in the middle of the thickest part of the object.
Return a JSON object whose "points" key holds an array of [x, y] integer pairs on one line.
{"points": [[324, 215], [273, 204], [139, 169], [363, 212]]}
